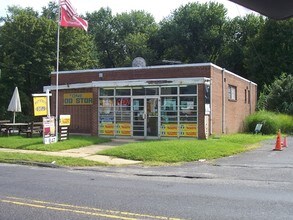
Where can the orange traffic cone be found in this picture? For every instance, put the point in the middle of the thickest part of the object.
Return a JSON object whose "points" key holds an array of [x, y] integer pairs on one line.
{"points": [[285, 142], [278, 146]]}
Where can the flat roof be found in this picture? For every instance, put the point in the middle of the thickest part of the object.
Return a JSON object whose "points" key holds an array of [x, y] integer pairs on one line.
{"points": [[125, 82], [138, 68]]}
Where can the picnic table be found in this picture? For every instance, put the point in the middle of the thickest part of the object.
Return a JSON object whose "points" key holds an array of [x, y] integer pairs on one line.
{"points": [[8, 128]]}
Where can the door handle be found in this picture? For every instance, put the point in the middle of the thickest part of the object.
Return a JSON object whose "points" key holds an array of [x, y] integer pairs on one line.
{"points": [[144, 115]]}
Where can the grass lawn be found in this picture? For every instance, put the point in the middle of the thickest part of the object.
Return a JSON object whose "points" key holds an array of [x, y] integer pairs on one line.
{"points": [[174, 151], [30, 159], [151, 152], [36, 143]]}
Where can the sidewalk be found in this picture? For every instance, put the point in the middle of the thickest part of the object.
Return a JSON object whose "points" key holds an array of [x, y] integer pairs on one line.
{"points": [[88, 153]]}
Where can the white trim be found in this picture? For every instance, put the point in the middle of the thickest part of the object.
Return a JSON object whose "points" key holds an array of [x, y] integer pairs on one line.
{"points": [[233, 74], [129, 83], [136, 68]]}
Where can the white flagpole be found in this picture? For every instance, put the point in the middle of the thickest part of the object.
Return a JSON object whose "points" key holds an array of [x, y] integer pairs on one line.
{"points": [[57, 72]]}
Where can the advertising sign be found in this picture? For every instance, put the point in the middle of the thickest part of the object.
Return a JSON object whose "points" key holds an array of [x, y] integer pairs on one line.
{"points": [[40, 105], [123, 129], [78, 98], [64, 120], [188, 130], [49, 135], [106, 129], [169, 130]]}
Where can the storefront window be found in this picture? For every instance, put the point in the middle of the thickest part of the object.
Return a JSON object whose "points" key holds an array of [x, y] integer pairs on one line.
{"points": [[172, 113], [169, 90], [106, 116], [123, 92], [138, 91], [188, 108], [152, 91], [123, 116], [188, 89], [169, 117], [106, 92], [188, 116]]}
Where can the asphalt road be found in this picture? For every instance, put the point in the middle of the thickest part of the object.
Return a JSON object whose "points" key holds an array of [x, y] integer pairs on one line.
{"points": [[253, 185]]}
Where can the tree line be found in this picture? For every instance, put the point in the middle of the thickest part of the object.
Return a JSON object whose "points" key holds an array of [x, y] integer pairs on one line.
{"points": [[255, 47]]}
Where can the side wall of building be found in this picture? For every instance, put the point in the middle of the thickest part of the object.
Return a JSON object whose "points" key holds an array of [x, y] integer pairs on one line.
{"points": [[228, 114]]}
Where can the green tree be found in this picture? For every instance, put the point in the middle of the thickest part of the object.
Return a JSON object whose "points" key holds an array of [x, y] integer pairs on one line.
{"points": [[134, 30], [193, 33], [50, 11], [102, 29], [238, 32], [278, 96], [121, 38], [28, 54], [270, 52]]}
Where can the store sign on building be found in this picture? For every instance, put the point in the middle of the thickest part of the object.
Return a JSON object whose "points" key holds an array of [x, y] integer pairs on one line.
{"points": [[78, 98]]}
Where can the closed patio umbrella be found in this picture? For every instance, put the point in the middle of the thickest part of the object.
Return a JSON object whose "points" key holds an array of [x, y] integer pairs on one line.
{"points": [[14, 105]]}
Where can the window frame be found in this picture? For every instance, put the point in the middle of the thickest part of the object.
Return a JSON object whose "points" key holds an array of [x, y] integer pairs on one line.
{"points": [[232, 93]]}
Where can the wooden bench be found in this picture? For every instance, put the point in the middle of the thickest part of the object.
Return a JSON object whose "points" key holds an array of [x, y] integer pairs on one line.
{"points": [[34, 128]]}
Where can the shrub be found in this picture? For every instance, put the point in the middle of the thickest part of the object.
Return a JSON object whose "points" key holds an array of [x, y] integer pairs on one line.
{"points": [[272, 122]]}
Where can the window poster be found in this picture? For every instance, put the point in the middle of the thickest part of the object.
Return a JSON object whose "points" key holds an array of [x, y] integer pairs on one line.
{"points": [[187, 107], [170, 104], [122, 103], [135, 105], [107, 105]]}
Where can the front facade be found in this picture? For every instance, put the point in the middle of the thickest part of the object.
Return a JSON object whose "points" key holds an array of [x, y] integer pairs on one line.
{"points": [[172, 101]]}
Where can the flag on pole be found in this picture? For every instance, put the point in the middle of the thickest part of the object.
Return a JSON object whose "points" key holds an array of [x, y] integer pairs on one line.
{"points": [[70, 18]]}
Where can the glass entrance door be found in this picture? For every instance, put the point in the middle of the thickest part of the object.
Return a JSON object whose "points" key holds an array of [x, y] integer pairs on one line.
{"points": [[145, 117], [138, 125], [152, 117]]}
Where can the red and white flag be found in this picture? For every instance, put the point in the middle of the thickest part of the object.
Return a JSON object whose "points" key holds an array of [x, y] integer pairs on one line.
{"points": [[70, 18]]}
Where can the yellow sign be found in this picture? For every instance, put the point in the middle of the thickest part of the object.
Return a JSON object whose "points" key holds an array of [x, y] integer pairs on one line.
{"points": [[106, 129], [40, 105], [169, 130], [78, 98], [188, 130], [123, 129], [64, 120]]}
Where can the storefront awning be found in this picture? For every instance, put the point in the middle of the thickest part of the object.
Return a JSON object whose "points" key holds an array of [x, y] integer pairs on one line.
{"points": [[131, 83]]}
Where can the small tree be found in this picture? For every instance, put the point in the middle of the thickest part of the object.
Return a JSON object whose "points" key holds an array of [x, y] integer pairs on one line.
{"points": [[278, 96]]}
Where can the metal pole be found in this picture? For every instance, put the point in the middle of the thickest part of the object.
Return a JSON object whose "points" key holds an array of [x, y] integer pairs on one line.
{"points": [[48, 103], [57, 72]]}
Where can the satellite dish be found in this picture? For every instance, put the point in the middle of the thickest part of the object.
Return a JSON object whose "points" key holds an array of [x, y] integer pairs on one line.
{"points": [[138, 62]]}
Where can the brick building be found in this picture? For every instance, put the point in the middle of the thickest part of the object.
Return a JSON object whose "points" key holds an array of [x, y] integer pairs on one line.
{"points": [[190, 100]]}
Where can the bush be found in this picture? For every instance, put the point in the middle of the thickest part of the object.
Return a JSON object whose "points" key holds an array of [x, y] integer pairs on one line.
{"points": [[272, 122]]}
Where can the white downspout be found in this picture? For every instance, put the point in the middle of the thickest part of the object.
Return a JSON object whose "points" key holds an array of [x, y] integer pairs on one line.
{"points": [[211, 108], [250, 100], [223, 102]]}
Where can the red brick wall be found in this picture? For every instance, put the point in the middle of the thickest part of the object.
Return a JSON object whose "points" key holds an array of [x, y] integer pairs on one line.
{"points": [[235, 111], [81, 115], [94, 115], [201, 111]]}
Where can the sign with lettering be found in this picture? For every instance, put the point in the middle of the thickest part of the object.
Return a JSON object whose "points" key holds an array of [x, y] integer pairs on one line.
{"points": [[64, 120], [49, 135], [40, 105], [78, 98]]}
